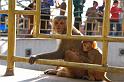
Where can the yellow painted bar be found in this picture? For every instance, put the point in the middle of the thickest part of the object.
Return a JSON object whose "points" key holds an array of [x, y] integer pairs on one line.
{"points": [[37, 19], [106, 18], [3, 11], [70, 64], [3, 57], [25, 12], [106, 26], [11, 38], [115, 39], [73, 64], [123, 25], [96, 38], [71, 37], [69, 20]]}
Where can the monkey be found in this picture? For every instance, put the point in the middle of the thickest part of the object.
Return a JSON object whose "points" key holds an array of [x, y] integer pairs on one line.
{"points": [[59, 27], [94, 55], [68, 50], [73, 56], [90, 54]]}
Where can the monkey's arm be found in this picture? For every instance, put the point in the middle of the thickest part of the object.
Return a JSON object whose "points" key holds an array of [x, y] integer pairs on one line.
{"points": [[52, 55], [58, 54], [95, 57], [76, 31]]}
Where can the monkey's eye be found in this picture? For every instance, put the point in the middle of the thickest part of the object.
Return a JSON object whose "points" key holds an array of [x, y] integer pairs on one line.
{"points": [[55, 22], [61, 23]]}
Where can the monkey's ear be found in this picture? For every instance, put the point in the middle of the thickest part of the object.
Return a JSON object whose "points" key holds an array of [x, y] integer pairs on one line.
{"points": [[76, 31], [94, 45]]}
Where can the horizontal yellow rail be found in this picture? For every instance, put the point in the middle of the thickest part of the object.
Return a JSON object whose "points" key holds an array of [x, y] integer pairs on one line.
{"points": [[70, 64], [93, 38], [27, 12], [3, 11]]}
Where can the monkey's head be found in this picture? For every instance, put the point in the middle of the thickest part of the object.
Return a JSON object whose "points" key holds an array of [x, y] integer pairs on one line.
{"points": [[88, 45], [60, 24]]}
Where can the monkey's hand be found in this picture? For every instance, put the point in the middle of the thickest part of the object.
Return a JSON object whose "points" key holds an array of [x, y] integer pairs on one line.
{"points": [[91, 78], [32, 59]]}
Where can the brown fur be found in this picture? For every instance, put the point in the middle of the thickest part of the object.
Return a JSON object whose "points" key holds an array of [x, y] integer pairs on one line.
{"points": [[71, 50]]}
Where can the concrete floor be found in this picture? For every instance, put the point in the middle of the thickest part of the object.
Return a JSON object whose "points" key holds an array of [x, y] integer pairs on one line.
{"points": [[26, 75]]}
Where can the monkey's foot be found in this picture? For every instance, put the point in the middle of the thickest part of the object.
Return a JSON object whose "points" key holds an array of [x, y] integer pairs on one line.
{"points": [[50, 71]]}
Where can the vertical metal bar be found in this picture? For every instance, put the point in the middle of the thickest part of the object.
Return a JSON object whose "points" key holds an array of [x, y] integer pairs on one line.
{"points": [[123, 27], [18, 18], [37, 19], [106, 26], [11, 38], [69, 20], [24, 23], [29, 26]]}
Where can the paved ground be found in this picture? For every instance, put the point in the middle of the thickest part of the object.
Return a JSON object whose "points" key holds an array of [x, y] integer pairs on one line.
{"points": [[26, 75]]}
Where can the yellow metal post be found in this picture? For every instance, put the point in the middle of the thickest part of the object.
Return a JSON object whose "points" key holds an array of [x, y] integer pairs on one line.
{"points": [[37, 19], [123, 26], [69, 20], [106, 26], [11, 38]]}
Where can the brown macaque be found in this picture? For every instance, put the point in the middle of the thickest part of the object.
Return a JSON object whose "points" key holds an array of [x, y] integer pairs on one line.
{"points": [[59, 25], [82, 56], [72, 50], [94, 56], [72, 55], [90, 54], [65, 44]]}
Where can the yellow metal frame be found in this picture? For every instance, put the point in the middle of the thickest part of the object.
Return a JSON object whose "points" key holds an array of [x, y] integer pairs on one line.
{"points": [[11, 58]]}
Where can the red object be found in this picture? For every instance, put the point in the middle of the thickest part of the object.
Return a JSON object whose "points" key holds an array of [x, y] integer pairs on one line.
{"points": [[115, 11]]}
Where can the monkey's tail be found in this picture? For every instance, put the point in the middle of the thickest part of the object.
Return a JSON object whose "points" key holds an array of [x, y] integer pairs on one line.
{"points": [[106, 79]]}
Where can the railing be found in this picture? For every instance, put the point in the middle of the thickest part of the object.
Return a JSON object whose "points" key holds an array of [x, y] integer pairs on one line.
{"points": [[23, 27], [105, 39]]}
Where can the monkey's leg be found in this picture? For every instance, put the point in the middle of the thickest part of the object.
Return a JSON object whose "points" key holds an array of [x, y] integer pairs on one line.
{"points": [[72, 56], [64, 72]]}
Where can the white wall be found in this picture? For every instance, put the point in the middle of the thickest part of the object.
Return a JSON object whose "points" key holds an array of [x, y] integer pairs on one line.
{"points": [[114, 58], [37, 46]]}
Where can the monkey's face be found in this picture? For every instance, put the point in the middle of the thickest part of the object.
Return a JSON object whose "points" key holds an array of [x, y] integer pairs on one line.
{"points": [[87, 46], [60, 26]]}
